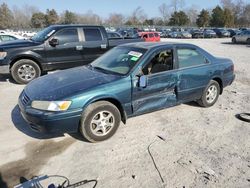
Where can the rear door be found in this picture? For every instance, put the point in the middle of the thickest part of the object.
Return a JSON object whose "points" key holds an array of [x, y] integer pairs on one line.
{"points": [[94, 43], [67, 53], [193, 75], [160, 91]]}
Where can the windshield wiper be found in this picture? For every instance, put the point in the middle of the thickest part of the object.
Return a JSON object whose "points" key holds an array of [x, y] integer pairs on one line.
{"points": [[105, 70]]}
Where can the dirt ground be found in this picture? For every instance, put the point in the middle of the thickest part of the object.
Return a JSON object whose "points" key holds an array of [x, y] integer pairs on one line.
{"points": [[201, 147]]}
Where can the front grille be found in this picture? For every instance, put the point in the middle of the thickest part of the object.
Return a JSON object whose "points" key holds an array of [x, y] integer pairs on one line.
{"points": [[25, 99]]}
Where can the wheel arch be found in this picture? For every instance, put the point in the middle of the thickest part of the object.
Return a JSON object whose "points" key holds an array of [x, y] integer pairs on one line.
{"points": [[219, 81], [115, 102], [14, 60]]}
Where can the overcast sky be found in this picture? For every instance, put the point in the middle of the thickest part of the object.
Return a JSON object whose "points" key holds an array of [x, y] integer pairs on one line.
{"points": [[105, 7]]}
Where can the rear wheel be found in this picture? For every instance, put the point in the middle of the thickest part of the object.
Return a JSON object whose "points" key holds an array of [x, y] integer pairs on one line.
{"points": [[25, 70], [248, 41], [233, 40], [100, 121], [210, 94]]}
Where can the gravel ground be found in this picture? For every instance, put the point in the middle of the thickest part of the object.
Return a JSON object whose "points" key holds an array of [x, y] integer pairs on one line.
{"points": [[202, 147]]}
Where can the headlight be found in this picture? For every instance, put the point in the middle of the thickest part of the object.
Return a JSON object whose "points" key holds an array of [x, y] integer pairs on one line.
{"points": [[51, 105], [3, 55]]}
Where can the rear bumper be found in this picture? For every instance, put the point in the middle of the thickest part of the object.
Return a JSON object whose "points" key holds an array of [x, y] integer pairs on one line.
{"points": [[229, 80], [51, 122]]}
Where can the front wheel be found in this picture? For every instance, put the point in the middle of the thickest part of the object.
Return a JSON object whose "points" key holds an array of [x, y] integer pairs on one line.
{"points": [[25, 70], [233, 40], [210, 94], [100, 121], [248, 41]]}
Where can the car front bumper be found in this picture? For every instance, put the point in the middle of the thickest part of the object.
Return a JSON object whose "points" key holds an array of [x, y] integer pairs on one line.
{"points": [[51, 122], [4, 69]]}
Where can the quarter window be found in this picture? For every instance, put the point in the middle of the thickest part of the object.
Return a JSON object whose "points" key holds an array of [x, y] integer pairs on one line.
{"points": [[189, 57], [67, 36], [92, 34]]}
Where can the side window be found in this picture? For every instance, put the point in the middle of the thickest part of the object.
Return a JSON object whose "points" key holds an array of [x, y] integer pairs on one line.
{"points": [[151, 35], [156, 35], [145, 36], [67, 36], [92, 34], [160, 62], [189, 57], [7, 38]]}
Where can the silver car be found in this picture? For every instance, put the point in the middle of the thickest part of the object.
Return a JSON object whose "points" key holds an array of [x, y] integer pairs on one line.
{"points": [[243, 37]]}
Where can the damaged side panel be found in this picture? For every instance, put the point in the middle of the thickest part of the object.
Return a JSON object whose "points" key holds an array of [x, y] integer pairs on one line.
{"points": [[159, 93]]}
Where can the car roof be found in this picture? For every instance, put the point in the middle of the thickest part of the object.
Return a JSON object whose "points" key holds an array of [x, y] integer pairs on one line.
{"points": [[73, 25], [151, 45]]}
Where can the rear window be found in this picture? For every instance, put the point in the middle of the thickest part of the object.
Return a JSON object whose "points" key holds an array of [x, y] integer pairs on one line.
{"points": [[92, 34], [189, 57]]}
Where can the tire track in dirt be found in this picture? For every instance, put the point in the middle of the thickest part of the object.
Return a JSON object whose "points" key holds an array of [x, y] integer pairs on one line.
{"points": [[37, 155]]}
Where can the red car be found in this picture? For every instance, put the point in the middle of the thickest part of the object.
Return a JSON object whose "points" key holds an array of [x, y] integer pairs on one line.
{"points": [[150, 36]]}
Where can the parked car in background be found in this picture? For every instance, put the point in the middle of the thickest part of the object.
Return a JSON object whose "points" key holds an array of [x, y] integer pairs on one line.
{"points": [[197, 34], [4, 37], [185, 34], [234, 32], [243, 37], [114, 35], [127, 81], [55, 47], [150, 36], [220, 32], [208, 33]]}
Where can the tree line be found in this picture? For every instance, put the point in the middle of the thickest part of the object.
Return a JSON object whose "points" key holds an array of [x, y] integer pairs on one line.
{"points": [[231, 13]]}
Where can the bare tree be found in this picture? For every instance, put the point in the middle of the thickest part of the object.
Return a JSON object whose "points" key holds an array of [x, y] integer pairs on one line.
{"points": [[115, 19], [229, 4], [164, 11], [22, 16], [177, 4], [192, 14], [138, 16], [88, 18]]}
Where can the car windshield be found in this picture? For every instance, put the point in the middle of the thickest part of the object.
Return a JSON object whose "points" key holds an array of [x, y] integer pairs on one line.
{"points": [[119, 60], [43, 35]]}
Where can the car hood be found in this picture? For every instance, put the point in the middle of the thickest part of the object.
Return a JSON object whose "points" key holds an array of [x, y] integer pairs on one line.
{"points": [[18, 43], [64, 84]]}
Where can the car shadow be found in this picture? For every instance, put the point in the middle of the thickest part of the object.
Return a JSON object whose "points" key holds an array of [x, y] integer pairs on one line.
{"points": [[236, 44], [78, 136], [193, 103], [24, 127], [6, 78]]}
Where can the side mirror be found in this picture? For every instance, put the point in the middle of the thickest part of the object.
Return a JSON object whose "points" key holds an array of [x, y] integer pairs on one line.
{"points": [[54, 42], [143, 81]]}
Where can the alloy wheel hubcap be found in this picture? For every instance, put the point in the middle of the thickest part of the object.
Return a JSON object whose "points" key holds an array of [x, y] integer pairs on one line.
{"points": [[102, 123], [211, 94], [26, 72]]}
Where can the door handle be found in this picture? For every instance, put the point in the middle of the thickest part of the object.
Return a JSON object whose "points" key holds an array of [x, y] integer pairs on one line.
{"points": [[79, 47]]}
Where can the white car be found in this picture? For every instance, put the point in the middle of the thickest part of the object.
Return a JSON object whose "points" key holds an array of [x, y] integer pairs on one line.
{"points": [[4, 37], [243, 37]]}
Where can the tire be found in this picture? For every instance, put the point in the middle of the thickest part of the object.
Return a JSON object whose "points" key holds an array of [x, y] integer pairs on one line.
{"points": [[244, 117], [210, 94], [233, 40], [94, 126], [25, 70], [248, 41]]}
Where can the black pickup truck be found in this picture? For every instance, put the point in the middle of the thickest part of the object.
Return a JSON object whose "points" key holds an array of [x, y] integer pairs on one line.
{"points": [[55, 47]]}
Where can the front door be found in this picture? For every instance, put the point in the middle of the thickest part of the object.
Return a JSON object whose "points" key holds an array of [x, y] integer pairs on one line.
{"points": [[160, 90], [68, 52]]}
